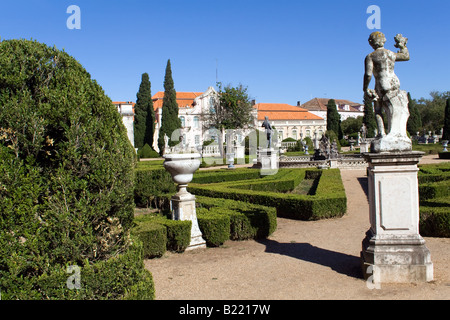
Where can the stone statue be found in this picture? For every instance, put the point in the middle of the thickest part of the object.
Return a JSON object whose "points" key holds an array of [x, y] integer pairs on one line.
{"points": [[387, 95], [166, 141], [268, 127]]}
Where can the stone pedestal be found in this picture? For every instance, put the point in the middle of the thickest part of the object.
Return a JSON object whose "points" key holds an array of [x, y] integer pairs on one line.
{"points": [[364, 147], [269, 161], [183, 208], [393, 250]]}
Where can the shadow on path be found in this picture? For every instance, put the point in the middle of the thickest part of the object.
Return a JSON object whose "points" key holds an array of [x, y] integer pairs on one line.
{"points": [[365, 186], [339, 262]]}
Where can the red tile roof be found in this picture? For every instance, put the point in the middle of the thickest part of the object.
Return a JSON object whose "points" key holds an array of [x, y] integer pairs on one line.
{"points": [[184, 99], [320, 104], [282, 111]]}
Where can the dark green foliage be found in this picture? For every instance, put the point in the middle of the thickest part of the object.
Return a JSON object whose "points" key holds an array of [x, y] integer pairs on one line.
{"points": [[369, 119], [272, 191], [215, 227], [121, 277], [144, 119], [434, 191], [334, 119], [233, 109], [170, 119], [432, 111], [247, 220], [415, 121], [152, 184], [435, 221], [178, 234], [154, 237], [446, 134], [158, 233], [352, 126], [67, 180], [147, 152]]}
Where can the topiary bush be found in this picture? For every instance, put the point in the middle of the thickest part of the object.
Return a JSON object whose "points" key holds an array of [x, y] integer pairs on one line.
{"points": [[66, 170]]}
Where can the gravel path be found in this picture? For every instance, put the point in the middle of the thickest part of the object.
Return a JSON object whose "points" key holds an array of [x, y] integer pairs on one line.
{"points": [[301, 260]]}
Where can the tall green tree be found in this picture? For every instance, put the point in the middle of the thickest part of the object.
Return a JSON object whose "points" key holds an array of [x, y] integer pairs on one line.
{"points": [[415, 121], [369, 119], [446, 134], [170, 120], [232, 109], [144, 122], [432, 111], [334, 118]]}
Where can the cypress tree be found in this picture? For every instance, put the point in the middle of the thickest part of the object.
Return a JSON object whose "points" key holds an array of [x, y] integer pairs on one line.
{"points": [[170, 120], [333, 118], [415, 121], [446, 134], [144, 123], [369, 119]]}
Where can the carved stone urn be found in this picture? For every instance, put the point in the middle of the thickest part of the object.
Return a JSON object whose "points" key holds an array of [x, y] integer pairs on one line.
{"points": [[182, 167]]}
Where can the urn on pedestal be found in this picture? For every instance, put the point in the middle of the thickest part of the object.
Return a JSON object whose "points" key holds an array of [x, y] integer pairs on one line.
{"points": [[182, 167]]}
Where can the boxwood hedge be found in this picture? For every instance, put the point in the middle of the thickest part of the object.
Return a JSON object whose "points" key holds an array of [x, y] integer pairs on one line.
{"points": [[434, 191], [328, 201]]}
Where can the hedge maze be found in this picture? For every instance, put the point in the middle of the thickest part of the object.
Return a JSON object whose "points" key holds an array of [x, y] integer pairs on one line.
{"points": [[234, 205], [434, 192]]}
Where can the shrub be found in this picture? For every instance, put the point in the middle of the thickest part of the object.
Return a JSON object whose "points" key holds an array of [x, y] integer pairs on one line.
{"points": [[434, 189], [152, 184], [178, 234], [153, 236], [121, 277], [247, 220], [147, 152], [435, 221], [215, 227], [64, 141], [167, 234]]}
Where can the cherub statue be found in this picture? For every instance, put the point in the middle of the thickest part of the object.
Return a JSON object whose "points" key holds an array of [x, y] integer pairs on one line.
{"points": [[387, 95]]}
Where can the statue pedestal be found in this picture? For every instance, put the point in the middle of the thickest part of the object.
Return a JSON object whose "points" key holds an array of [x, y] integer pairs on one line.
{"points": [[364, 147], [269, 161], [183, 208], [393, 250]]}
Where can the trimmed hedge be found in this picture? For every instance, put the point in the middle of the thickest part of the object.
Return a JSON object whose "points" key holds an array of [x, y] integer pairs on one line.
{"points": [[152, 183], [434, 191], [247, 221], [329, 201], [219, 221], [160, 234], [215, 227]]}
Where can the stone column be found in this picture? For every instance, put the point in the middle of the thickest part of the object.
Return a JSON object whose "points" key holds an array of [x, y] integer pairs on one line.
{"points": [[393, 250]]}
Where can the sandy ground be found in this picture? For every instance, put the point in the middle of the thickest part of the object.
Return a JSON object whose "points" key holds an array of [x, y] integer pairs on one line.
{"points": [[300, 261]]}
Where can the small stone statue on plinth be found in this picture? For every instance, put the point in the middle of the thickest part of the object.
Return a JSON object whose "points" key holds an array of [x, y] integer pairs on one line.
{"points": [[269, 132], [268, 156], [393, 250]]}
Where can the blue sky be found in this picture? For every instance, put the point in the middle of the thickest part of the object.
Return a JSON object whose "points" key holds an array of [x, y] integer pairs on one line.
{"points": [[284, 51]]}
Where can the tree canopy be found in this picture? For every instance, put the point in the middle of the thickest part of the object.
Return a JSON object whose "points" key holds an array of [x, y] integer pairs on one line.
{"points": [[232, 108]]}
